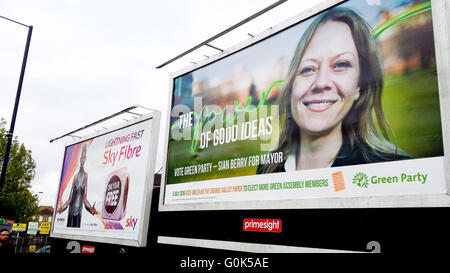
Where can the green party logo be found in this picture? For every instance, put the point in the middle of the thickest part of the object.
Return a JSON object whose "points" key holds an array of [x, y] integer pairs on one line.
{"points": [[360, 179]]}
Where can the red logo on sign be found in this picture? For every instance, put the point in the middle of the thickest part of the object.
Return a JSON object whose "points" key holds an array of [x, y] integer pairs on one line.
{"points": [[263, 225], [88, 249]]}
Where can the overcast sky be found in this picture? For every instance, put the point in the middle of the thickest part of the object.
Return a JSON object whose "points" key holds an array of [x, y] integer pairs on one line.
{"points": [[91, 58]]}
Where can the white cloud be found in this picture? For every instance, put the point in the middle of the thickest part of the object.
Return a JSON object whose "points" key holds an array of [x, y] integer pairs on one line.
{"points": [[45, 187], [89, 59]]}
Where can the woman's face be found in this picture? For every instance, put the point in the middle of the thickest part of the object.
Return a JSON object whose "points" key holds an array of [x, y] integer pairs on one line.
{"points": [[326, 84]]}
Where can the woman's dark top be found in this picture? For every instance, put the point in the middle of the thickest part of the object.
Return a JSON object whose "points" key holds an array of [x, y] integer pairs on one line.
{"points": [[348, 156]]}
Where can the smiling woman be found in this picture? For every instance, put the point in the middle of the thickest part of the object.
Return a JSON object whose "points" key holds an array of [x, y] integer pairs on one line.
{"points": [[333, 87]]}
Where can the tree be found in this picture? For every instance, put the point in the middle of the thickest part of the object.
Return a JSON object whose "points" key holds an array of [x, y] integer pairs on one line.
{"points": [[17, 202]]}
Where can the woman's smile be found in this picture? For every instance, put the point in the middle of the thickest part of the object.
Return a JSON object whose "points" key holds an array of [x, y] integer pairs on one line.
{"points": [[318, 105]]}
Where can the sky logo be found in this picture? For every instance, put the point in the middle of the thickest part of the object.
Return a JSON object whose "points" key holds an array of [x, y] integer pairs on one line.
{"points": [[131, 222]]}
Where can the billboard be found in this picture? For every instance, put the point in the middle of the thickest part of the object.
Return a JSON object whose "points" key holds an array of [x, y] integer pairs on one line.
{"points": [[105, 189], [340, 104]]}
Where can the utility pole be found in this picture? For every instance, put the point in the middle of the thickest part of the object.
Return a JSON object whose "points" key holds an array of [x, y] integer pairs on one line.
{"points": [[10, 133]]}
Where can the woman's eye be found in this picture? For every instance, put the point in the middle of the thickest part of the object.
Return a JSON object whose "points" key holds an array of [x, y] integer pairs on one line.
{"points": [[307, 70], [342, 65]]}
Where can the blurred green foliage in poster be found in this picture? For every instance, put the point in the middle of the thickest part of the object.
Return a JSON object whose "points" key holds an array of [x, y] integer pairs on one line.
{"points": [[411, 105]]}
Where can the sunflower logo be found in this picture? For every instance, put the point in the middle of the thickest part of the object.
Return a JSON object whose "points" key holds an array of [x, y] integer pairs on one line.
{"points": [[361, 180]]}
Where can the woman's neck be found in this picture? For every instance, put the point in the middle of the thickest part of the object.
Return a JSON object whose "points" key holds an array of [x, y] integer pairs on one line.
{"points": [[318, 151]]}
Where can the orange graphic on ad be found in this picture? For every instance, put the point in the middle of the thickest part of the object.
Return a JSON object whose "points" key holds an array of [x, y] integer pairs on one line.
{"points": [[338, 180]]}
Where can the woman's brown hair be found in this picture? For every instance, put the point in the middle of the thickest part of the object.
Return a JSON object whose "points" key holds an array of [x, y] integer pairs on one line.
{"points": [[358, 126]]}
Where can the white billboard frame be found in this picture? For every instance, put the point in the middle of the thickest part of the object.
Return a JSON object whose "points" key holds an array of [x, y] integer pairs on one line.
{"points": [[440, 14], [155, 116]]}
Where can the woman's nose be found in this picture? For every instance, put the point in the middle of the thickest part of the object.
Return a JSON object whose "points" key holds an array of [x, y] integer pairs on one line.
{"points": [[322, 81]]}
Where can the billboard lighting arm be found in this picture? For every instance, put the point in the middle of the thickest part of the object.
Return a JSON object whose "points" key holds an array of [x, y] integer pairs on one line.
{"points": [[214, 47], [233, 27], [137, 114], [10, 133], [126, 110]]}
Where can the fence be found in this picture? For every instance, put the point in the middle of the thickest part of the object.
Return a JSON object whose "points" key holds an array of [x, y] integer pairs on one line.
{"points": [[20, 242]]}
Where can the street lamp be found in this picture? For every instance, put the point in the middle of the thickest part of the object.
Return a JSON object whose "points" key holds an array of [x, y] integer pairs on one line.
{"points": [[10, 133]]}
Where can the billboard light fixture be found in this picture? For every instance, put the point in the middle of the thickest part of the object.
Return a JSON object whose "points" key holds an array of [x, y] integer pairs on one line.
{"points": [[124, 111], [214, 47], [233, 27]]}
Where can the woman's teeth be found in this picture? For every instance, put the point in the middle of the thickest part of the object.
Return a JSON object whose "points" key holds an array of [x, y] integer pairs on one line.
{"points": [[318, 104]]}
